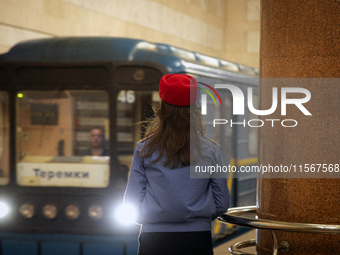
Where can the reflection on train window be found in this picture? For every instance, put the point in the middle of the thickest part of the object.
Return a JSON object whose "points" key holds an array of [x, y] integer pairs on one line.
{"points": [[252, 131], [63, 138], [4, 138], [133, 107]]}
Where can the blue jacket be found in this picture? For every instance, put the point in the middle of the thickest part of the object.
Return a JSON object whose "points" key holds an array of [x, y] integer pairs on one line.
{"points": [[169, 200]]}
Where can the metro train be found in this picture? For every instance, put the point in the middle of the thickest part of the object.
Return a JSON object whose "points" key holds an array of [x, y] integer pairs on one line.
{"points": [[54, 198]]}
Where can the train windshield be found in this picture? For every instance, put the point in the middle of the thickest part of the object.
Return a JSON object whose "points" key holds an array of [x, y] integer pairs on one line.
{"points": [[63, 138], [4, 138]]}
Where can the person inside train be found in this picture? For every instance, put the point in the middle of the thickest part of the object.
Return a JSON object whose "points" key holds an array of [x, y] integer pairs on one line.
{"points": [[97, 143], [176, 210]]}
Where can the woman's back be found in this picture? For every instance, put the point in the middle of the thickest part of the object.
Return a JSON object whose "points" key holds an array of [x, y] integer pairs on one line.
{"points": [[172, 200], [176, 205]]}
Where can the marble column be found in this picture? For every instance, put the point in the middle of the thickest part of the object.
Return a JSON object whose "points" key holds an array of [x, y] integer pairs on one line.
{"points": [[301, 39]]}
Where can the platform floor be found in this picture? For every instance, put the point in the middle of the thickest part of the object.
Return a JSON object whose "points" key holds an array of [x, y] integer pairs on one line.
{"points": [[223, 248]]}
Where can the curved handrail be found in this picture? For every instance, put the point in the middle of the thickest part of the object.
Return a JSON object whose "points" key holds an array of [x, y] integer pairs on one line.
{"points": [[234, 248], [233, 216]]}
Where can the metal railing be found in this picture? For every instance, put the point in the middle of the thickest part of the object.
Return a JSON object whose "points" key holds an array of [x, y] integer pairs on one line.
{"points": [[233, 216]]}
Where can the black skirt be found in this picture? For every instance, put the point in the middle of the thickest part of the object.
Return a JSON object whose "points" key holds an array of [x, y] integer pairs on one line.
{"points": [[175, 243]]}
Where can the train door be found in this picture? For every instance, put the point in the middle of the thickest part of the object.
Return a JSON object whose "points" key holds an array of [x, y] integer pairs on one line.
{"points": [[246, 143]]}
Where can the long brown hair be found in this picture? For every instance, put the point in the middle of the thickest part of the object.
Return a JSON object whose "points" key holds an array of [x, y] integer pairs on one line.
{"points": [[172, 132]]}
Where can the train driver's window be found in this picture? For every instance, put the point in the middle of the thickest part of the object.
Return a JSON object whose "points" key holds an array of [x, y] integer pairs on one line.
{"points": [[252, 131], [4, 138], [133, 108], [63, 138]]}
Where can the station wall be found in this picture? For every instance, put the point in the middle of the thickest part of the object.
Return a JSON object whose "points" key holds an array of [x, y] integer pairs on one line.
{"points": [[227, 29]]}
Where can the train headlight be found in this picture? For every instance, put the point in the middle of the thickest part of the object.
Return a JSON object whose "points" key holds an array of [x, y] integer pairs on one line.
{"points": [[95, 212], [4, 209], [126, 214], [72, 212], [27, 210], [50, 211]]}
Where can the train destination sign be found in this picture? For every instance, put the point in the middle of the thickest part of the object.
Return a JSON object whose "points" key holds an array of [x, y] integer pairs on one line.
{"points": [[63, 175]]}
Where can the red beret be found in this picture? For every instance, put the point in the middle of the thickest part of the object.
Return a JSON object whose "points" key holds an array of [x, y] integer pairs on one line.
{"points": [[178, 89]]}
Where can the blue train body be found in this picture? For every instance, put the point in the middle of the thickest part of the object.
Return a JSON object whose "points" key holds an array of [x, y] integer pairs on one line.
{"points": [[91, 51]]}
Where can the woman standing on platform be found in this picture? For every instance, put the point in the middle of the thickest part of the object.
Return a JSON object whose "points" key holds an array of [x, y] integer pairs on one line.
{"points": [[176, 209]]}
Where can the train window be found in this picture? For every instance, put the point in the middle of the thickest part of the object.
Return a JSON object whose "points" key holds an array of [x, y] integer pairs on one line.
{"points": [[4, 138], [252, 131], [63, 138], [133, 108]]}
